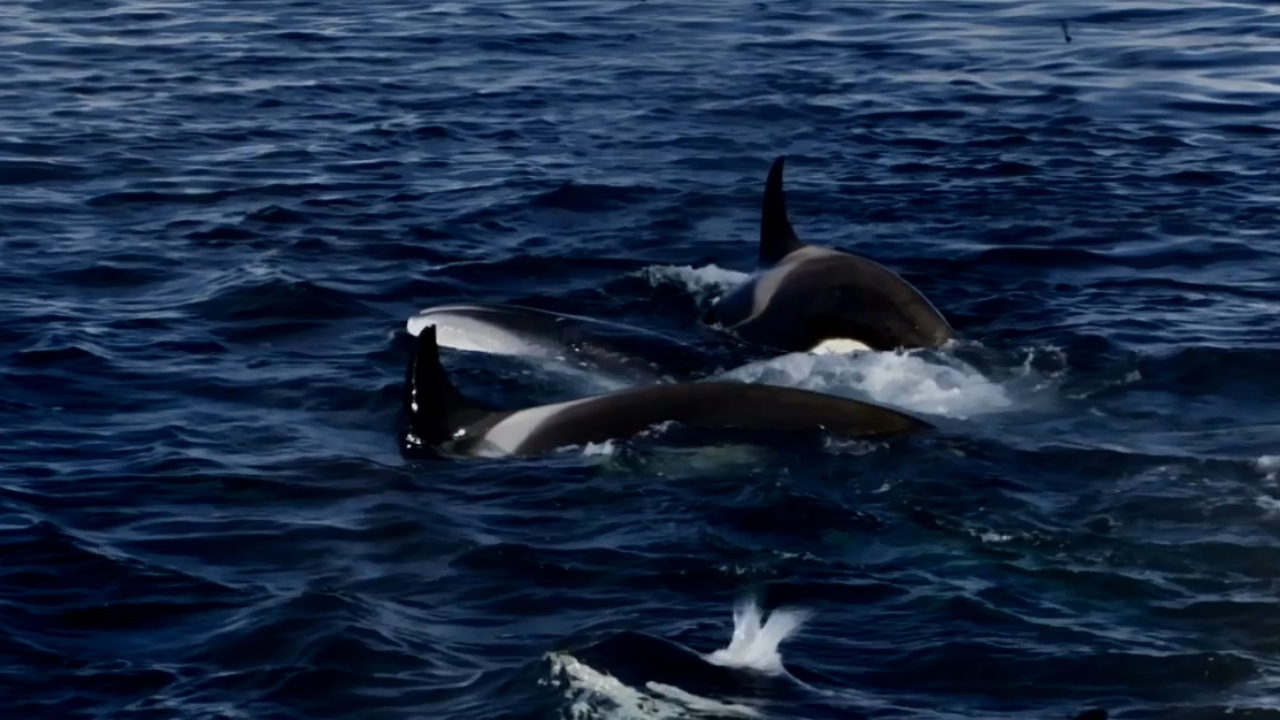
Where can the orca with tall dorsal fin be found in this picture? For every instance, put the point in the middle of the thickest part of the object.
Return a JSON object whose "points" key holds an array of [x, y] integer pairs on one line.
{"points": [[438, 417], [812, 298]]}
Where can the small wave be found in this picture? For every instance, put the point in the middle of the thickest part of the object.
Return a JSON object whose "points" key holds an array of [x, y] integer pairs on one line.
{"points": [[605, 449], [260, 303], [577, 197], [704, 283], [1269, 465], [718, 459], [31, 172]]}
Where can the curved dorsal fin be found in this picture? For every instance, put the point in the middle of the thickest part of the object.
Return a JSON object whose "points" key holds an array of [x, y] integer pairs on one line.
{"points": [[433, 406], [777, 239]]}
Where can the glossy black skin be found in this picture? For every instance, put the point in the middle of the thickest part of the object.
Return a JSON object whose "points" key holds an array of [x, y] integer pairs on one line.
{"points": [[613, 348], [435, 411], [832, 297], [828, 295], [638, 658], [726, 405]]}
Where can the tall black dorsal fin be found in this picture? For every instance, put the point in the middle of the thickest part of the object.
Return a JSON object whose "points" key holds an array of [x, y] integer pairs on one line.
{"points": [[433, 407], [777, 239]]}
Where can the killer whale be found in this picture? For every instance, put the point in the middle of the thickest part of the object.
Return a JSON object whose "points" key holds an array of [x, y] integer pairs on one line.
{"points": [[439, 419], [639, 659], [811, 298], [636, 354]]}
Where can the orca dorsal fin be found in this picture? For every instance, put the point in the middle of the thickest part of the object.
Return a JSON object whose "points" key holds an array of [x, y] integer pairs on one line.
{"points": [[433, 407], [777, 238]]}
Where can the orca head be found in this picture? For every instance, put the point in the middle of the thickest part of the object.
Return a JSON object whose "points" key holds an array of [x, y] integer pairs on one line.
{"points": [[433, 409]]}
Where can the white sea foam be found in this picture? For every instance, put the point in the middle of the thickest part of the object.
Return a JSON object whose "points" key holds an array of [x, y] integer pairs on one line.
{"points": [[705, 283], [594, 695], [605, 449], [1269, 465], [754, 645], [916, 381], [737, 459], [936, 385]]}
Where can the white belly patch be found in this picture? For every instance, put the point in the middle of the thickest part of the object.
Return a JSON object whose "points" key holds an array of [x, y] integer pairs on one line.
{"points": [[838, 346]]}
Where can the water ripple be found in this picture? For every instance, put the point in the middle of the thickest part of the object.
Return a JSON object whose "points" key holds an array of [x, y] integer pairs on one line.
{"points": [[216, 218]]}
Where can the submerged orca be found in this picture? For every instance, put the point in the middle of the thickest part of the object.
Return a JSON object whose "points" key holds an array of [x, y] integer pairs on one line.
{"points": [[811, 298], [637, 659], [439, 416], [508, 329]]}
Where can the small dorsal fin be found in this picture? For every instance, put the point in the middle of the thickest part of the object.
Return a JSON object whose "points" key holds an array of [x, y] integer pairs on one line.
{"points": [[777, 238]]}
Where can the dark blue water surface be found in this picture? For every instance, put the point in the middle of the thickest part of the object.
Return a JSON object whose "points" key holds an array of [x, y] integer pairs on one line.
{"points": [[218, 215]]}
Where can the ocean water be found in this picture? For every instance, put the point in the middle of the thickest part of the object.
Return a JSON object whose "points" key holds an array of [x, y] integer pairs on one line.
{"points": [[216, 217]]}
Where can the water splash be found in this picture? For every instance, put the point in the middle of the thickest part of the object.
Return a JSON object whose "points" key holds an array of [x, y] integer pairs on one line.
{"points": [[754, 645], [917, 381], [1269, 464], [938, 385], [706, 284], [603, 449], [594, 695]]}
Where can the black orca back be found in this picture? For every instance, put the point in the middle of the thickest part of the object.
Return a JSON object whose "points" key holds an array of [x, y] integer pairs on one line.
{"points": [[727, 405], [842, 295], [636, 658]]}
